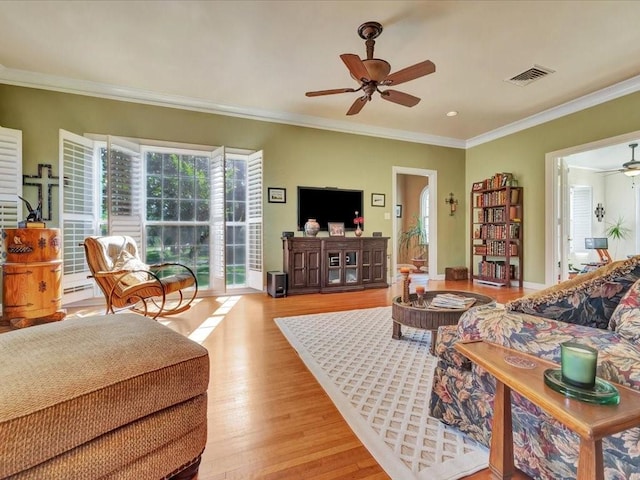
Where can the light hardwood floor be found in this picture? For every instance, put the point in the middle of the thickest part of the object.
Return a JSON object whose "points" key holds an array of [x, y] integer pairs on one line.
{"points": [[268, 417]]}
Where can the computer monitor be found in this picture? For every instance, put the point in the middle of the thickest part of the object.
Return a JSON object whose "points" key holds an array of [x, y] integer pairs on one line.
{"points": [[596, 243]]}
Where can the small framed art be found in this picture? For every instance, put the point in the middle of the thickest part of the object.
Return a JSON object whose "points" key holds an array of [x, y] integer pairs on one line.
{"points": [[377, 199], [277, 195], [398, 211], [336, 229]]}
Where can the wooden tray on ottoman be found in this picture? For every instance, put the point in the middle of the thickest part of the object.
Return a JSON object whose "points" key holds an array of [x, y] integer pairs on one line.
{"points": [[430, 319]]}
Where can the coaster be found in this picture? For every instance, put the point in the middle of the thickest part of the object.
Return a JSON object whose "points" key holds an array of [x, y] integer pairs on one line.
{"points": [[516, 361], [603, 393]]}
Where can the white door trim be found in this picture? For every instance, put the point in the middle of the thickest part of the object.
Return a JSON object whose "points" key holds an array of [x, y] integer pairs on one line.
{"points": [[433, 216], [558, 222]]}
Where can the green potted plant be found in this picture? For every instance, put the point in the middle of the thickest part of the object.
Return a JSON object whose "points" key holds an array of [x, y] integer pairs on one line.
{"points": [[617, 231], [412, 242]]}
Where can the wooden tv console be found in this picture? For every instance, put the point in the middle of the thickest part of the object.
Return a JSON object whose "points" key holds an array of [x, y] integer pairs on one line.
{"points": [[334, 264]]}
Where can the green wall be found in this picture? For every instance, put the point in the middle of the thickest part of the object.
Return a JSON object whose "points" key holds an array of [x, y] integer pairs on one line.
{"points": [[292, 155], [523, 154]]}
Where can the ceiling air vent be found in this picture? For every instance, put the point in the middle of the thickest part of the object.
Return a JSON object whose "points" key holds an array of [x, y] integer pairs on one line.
{"points": [[534, 73]]}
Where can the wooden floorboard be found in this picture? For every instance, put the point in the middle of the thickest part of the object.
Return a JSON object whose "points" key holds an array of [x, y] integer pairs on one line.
{"points": [[268, 417]]}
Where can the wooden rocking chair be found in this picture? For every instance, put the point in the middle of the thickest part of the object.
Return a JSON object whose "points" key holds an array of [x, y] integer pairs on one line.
{"points": [[128, 283]]}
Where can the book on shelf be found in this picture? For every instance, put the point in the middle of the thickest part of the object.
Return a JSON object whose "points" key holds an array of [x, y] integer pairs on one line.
{"points": [[34, 224]]}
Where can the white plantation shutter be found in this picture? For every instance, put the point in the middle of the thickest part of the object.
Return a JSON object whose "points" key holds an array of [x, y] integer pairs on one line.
{"points": [[124, 189], [580, 216], [10, 178], [255, 276], [217, 237], [78, 212], [10, 181]]}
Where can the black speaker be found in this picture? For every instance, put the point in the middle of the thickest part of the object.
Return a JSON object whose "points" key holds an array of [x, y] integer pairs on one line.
{"points": [[377, 234], [277, 284], [287, 234]]}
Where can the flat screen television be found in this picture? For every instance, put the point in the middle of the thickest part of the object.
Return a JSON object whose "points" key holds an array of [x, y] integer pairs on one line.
{"points": [[329, 205]]}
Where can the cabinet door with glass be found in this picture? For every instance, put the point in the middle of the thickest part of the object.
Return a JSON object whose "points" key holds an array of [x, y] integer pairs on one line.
{"points": [[342, 265], [351, 267], [334, 268]]}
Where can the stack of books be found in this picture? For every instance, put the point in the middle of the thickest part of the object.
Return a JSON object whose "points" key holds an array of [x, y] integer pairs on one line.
{"points": [[449, 300]]}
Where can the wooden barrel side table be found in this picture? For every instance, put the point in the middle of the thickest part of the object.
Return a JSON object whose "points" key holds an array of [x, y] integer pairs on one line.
{"points": [[32, 276]]}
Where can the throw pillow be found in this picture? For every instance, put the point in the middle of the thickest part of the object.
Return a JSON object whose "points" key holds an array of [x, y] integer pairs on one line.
{"points": [[127, 261], [625, 320], [588, 299]]}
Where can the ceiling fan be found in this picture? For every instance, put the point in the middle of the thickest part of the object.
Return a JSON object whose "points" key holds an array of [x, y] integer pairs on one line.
{"points": [[373, 73], [632, 167]]}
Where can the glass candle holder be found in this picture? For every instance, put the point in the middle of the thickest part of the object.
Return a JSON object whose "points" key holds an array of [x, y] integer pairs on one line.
{"points": [[578, 364], [420, 297]]}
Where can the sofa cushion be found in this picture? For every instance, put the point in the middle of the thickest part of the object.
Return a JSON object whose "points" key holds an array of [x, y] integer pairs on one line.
{"points": [[77, 379], [626, 317], [588, 299]]}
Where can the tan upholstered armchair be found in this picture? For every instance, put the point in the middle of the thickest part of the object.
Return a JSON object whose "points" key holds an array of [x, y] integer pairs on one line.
{"points": [[128, 283]]}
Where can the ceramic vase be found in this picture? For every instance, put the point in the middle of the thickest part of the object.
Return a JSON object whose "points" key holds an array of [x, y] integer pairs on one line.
{"points": [[358, 231], [311, 228]]}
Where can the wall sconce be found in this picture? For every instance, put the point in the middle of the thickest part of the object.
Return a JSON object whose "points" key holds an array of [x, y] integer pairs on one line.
{"points": [[453, 204], [599, 212]]}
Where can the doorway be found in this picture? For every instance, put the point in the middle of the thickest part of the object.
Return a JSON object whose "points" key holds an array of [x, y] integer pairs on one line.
{"points": [[404, 204], [594, 167]]}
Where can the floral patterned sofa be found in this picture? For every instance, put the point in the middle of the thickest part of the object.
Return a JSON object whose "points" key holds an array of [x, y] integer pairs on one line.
{"points": [[601, 309]]}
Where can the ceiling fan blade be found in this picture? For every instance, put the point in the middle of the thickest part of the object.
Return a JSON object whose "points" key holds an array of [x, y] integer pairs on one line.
{"points": [[329, 92], [355, 66], [357, 105], [400, 98], [410, 73]]}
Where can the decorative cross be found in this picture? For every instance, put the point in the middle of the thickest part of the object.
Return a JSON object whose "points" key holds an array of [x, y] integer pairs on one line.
{"points": [[39, 181], [599, 211]]}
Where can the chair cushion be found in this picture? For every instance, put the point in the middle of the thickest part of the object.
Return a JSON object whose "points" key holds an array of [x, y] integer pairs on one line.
{"points": [[129, 262], [67, 383], [626, 317], [588, 299]]}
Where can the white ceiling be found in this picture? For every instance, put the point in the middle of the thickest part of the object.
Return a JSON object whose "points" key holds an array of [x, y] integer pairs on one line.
{"points": [[609, 158], [258, 58]]}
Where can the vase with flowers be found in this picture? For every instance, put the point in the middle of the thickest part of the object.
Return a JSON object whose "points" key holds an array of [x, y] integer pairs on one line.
{"points": [[357, 222]]}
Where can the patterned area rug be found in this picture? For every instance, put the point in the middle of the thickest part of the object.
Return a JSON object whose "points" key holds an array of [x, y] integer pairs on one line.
{"points": [[382, 387]]}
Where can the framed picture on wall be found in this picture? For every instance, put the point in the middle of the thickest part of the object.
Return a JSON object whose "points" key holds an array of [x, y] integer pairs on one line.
{"points": [[277, 195], [377, 199], [398, 211]]}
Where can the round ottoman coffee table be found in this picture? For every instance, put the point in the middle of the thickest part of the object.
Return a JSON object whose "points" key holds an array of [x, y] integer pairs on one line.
{"points": [[430, 318]]}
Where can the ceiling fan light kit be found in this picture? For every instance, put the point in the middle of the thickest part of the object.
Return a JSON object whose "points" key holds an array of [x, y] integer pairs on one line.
{"points": [[632, 167], [372, 73]]}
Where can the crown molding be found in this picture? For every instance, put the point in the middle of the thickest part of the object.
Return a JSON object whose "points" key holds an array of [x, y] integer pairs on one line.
{"points": [[29, 79], [618, 90]]}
